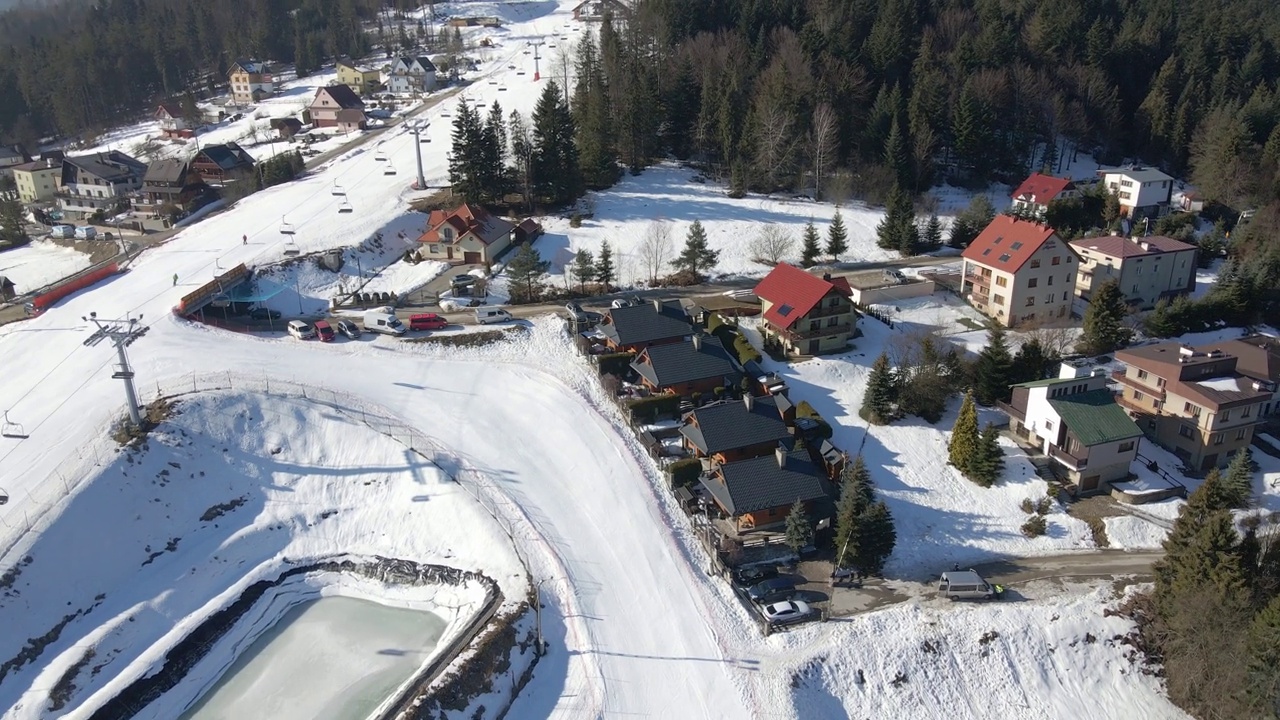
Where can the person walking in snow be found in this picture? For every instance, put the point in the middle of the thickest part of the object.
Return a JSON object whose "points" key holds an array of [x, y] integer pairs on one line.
{"points": [[245, 238], [175, 279]]}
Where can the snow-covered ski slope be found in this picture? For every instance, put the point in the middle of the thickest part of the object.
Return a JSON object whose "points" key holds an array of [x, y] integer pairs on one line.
{"points": [[636, 626]]}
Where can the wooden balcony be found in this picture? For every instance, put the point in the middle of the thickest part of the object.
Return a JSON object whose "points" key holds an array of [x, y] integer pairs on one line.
{"points": [[1068, 459], [823, 331]]}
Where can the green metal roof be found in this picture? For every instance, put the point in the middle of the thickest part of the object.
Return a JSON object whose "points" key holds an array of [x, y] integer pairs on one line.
{"points": [[1095, 418]]}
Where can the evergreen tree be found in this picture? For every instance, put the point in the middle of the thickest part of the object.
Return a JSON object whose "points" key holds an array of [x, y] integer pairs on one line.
{"points": [[896, 156], [583, 268], [848, 514], [1212, 244], [522, 157], [494, 153], [877, 403], [855, 479], [1161, 322], [467, 162], [13, 231], [527, 273], [557, 175], [876, 538], [989, 462], [972, 221], [1103, 328], [969, 128], [1238, 481], [1262, 657], [799, 528], [1031, 362], [897, 231], [1111, 211], [605, 272], [591, 114], [964, 447], [1210, 498], [931, 235], [837, 237], [991, 371], [696, 258], [810, 248]]}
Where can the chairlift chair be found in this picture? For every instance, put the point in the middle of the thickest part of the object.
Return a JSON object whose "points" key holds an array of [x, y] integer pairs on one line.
{"points": [[338, 190], [4, 496], [389, 169], [502, 89], [12, 429], [286, 228], [345, 207], [291, 249]]}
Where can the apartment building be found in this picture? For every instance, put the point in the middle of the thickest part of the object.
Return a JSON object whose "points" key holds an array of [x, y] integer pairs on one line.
{"points": [[250, 81], [1148, 268], [37, 181], [1033, 196], [101, 182], [1019, 272], [1259, 359], [804, 313], [1193, 401], [1144, 192]]}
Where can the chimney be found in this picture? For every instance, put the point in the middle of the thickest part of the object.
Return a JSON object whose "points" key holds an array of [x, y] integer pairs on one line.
{"points": [[1099, 372], [1186, 351], [780, 453], [748, 401], [657, 305], [697, 342], [826, 276]]}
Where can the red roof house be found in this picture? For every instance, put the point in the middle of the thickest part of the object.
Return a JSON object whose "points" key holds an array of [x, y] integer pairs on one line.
{"points": [[468, 234], [806, 314], [1020, 271], [1036, 192]]}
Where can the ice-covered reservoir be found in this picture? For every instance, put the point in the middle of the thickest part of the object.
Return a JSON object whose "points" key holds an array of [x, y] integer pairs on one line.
{"points": [[335, 658]]}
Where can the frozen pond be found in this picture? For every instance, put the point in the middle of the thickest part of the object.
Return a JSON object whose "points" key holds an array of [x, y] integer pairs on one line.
{"points": [[335, 658]]}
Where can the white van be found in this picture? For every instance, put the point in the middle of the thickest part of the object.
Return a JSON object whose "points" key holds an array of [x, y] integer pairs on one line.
{"points": [[966, 585], [383, 320], [63, 232], [86, 232], [486, 315], [301, 330]]}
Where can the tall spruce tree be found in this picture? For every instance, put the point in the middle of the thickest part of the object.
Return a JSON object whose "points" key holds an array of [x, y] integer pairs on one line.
{"points": [[583, 268], [897, 230], [876, 538], [986, 466], [494, 153], [991, 371], [527, 273], [964, 447], [896, 155], [592, 118], [697, 257], [13, 231], [837, 237], [971, 221], [931, 234], [799, 530], [1262, 658], [849, 510], [467, 161], [557, 176], [605, 271], [810, 248], [877, 403], [1031, 362], [1238, 481], [1104, 329]]}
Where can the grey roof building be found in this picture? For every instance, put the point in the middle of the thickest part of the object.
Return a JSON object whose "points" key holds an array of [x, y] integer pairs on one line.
{"points": [[735, 425], [638, 326], [701, 358], [770, 483]]}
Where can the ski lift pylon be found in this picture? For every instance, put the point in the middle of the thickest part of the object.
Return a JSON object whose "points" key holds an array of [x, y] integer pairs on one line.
{"points": [[12, 429]]}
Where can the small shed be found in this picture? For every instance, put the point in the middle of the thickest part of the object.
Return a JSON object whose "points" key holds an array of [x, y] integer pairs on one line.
{"points": [[7, 289], [286, 127]]}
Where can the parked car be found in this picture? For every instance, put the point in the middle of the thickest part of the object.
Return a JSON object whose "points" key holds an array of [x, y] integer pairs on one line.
{"points": [[86, 232], [576, 313], [325, 331], [62, 232], [261, 313], [787, 611], [383, 320], [967, 585], [427, 321], [620, 303], [349, 328], [773, 589], [487, 315], [301, 330], [462, 280], [754, 574]]}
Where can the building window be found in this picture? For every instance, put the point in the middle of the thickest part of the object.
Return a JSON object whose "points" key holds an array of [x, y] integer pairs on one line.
{"points": [[1126, 446], [1159, 382], [1002, 281], [434, 249], [1051, 277], [1193, 410], [1048, 424], [1056, 260], [1217, 438], [1241, 433], [1035, 264], [1225, 415], [1126, 183], [1185, 431], [1139, 397], [1142, 374], [998, 299], [1033, 282], [1031, 301], [831, 321], [1246, 410]]}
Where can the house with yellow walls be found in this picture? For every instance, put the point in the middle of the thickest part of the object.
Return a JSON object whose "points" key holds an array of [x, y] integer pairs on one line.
{"points": [[361, 78], [37, 181]]}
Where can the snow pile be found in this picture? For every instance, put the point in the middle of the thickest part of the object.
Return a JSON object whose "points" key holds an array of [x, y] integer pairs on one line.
{"points": [[1061, 660], [1127, 532], [40, 263], [220, 495]]}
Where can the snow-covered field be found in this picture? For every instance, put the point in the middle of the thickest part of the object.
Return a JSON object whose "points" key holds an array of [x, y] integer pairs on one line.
{"points": [[39, 263], [635, 625]]}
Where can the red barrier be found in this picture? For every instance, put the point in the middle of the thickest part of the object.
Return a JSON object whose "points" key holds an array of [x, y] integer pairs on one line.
{"points": [[46, 299]]}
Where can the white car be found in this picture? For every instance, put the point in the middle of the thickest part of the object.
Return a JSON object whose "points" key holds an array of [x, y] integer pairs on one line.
{"points": [[786, 611], [301, 330]]}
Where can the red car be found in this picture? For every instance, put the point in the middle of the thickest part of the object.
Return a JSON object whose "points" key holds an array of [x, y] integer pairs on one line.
{"points": [[427, 321], [324, 331]]}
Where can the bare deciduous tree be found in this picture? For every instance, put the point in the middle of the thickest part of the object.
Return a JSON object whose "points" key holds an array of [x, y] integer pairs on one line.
{"points": [[1055, 340], [822, 145], [655, 249], [775, 143], [772, 244]]}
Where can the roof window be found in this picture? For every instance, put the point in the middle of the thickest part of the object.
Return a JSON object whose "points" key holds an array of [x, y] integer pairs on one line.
{"points": [[1016, 246], [785, 310], [1005, 257]]}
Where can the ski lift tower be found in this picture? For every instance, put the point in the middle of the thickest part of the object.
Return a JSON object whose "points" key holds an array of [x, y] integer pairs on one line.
{"points": [[535, 45], [121, 333], [417, 129]]}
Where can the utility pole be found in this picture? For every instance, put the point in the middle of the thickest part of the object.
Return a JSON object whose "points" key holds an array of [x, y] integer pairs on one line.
{"points": [[417, 129], [535, 46], [121, 333], [540, 649]]}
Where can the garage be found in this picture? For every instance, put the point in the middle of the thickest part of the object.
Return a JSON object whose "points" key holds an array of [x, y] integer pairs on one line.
{"points": [[471, 258]]}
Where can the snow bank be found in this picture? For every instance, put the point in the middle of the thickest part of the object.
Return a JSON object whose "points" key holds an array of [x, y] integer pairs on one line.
{"points": [[1127, 532], [40, 263]]}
